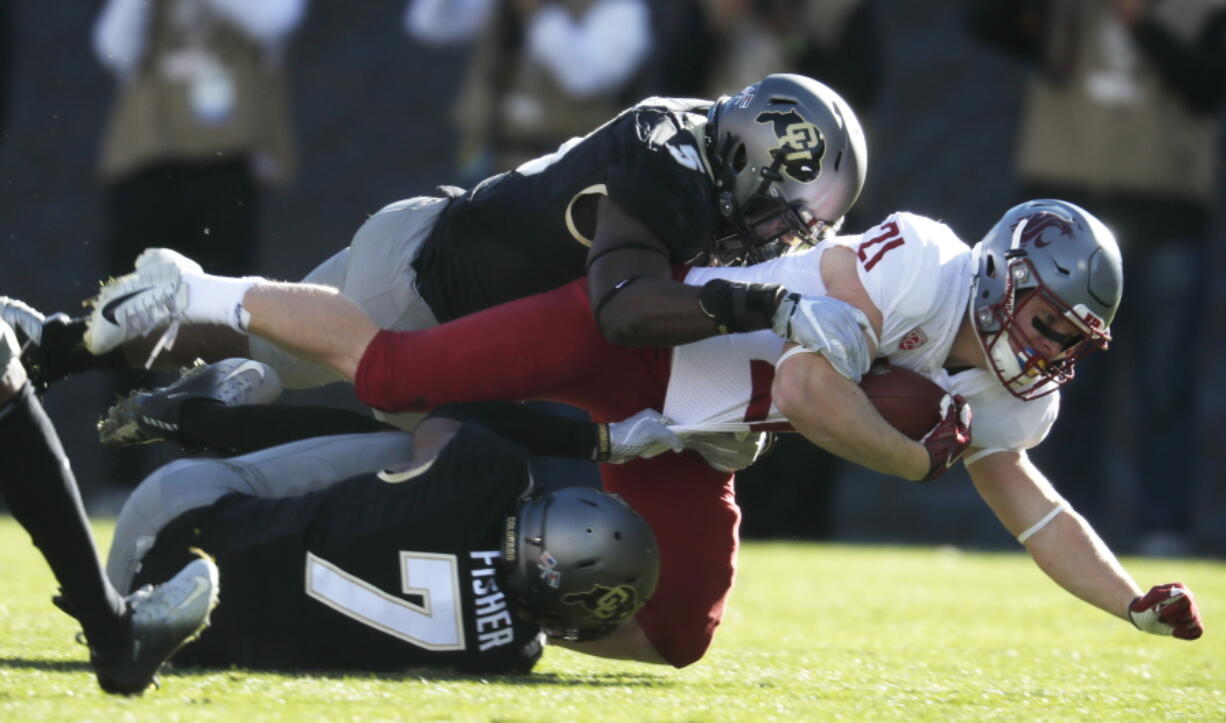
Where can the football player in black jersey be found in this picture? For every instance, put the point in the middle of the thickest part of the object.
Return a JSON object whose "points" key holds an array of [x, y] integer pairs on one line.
{"points": [[449, 560], [374, 551], [666, 182]]}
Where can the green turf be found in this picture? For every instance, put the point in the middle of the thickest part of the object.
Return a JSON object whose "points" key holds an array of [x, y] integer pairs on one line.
{"points": [[814, 632]]}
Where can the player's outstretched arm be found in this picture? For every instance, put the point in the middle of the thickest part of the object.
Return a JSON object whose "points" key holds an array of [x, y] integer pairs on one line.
{"points": [[1068, 549]]}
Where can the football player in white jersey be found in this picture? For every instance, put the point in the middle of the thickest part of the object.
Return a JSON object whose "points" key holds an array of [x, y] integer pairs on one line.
{"points": [[1001, 325]]}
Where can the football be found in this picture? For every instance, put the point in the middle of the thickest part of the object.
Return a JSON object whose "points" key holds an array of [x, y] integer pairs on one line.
{"points": [[906, 399]]}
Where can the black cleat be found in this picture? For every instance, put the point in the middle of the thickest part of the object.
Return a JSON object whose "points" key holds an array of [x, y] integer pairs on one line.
{"points": [[153, 416]]}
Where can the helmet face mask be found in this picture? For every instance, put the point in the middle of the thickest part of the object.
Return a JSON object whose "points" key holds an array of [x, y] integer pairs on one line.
{"points": [[1025, 370], [578, 562], [1045, 264], [774, 227], [789, 159]]}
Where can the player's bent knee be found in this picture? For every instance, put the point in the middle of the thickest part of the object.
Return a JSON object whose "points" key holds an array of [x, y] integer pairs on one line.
{"points": [[681, 653], [680, 642]]}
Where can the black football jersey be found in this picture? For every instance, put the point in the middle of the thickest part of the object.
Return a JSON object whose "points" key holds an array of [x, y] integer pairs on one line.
{"points": [[528, 230], [365, 575]]}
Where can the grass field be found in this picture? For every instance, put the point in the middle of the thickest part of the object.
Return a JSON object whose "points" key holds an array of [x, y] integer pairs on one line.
{"points": [[815, 632]]}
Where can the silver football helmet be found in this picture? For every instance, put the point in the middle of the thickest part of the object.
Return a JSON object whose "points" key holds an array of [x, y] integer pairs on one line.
{"points": [[789, 159], [1044, 252], [579, 562]]}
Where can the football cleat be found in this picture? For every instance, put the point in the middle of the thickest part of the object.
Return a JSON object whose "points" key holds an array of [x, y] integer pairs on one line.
{"points": [[164, 618], [24, 319], [136, 304], [153, 416]]}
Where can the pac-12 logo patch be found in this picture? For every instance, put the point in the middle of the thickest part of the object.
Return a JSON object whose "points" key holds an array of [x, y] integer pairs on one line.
{"points": [[546, 564], [604, 604], [913, 340], [799, 140]]}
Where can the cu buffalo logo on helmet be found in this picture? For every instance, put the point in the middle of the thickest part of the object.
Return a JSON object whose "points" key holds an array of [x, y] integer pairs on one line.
{"points": [[604, 604], [800, 143]]}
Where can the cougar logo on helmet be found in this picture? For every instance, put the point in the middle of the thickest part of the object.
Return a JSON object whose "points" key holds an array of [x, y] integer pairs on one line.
{"points": [[605, 603], [1035, 228], [800, 141]]}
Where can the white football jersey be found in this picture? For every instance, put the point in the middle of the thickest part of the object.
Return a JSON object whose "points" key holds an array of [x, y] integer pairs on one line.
{"points": [[918, 274]]}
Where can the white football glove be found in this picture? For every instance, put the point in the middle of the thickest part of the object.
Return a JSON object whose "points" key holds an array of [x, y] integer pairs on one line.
{"points": [[642, 436], [728, 451], [830, 326]]}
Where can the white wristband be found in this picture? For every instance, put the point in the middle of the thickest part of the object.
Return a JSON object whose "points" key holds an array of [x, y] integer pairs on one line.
{"points": [[1042, 523], [218, 299]]}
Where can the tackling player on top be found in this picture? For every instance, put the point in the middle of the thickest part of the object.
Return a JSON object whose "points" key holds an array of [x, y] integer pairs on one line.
{"points": [[668, 181], [1001, 326]]}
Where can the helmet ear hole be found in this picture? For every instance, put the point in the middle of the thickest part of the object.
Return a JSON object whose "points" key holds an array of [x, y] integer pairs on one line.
{"points": [[739, 159]]}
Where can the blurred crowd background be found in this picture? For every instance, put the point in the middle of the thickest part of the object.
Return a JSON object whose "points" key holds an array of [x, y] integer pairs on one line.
{"points": [[256, 135]]}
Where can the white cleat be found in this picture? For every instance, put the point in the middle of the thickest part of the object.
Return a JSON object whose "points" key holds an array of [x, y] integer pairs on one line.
{"points": [[136, 304]]}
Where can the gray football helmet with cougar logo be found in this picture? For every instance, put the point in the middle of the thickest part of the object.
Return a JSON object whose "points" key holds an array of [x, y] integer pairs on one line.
{"points": [[789, 159], [579, 562], [1044, 252]]}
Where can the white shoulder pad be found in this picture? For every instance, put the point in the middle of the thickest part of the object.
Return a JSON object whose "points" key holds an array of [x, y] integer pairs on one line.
{"points": [[907, 263]]}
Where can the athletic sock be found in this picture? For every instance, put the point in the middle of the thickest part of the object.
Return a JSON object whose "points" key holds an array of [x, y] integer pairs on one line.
{"points": [[42, 495], [62, 353], [218, 299]]}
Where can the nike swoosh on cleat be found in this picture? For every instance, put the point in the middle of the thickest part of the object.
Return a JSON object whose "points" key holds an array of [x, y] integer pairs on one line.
{"points": [[201, 588], [108, 311], [246, 366]]}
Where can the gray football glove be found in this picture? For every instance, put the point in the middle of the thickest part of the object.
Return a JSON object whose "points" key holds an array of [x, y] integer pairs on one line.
{"points": [[728, 451], [644, 435], [827, 325]]}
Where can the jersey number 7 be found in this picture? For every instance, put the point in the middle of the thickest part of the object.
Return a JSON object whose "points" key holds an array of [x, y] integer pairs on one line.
{"points": [[435, 624]]}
